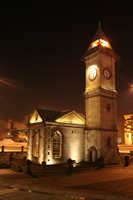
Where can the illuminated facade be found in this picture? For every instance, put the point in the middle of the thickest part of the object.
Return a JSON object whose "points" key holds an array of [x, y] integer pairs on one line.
{"points": [[128, 129], [100, 100], [56, 136]]}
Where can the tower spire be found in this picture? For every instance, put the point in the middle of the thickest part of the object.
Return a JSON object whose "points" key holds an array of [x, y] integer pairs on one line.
{"points": [[99, 40], [99, 24]]}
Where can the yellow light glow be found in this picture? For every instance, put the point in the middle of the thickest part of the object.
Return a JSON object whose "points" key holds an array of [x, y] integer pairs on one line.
{"points": [[49, 161], [92, 72], [35, 118], [72, 117], [74, 155], [104, 43], [92, 68], [100, 42], [128, 129], [128, 140], [131, 87], [29, 155], [94, 44]]}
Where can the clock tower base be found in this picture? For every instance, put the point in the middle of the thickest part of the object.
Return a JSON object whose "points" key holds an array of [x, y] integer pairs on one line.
{"points": [[101, 143], [101, 125]]}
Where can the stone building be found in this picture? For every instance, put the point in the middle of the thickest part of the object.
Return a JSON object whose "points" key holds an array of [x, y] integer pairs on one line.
{"points": [[120, 128], [17, 131], [13, 124], [56, 136], [128, 129]]}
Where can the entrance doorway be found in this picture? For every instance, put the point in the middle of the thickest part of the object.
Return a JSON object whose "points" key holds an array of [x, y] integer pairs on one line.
{"points": [[92, 154]]}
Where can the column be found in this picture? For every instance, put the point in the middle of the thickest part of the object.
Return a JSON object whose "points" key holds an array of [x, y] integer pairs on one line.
{"points": [[41, 145], [29, 145]]}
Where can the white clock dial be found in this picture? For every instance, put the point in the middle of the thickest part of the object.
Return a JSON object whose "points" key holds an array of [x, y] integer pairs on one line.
{"points": [[92, 74], [107, 73]]}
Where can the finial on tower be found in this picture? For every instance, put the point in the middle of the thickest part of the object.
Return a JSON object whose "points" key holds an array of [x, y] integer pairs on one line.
{"points": [[99, 24]]}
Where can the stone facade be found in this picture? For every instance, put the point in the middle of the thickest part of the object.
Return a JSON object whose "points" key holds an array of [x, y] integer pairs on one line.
{"points": [[100, 102], [72, 141], [56, 136], [5, 157], [120, 127], [128, 129]]}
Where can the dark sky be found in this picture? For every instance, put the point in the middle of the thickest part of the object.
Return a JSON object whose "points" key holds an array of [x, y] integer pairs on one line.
{"points": [[40, 49]]}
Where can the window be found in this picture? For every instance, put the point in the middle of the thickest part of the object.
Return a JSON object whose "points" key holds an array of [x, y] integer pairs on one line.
{"points": [[119, 140], [108, 141], [57, 142], [108, 107], [35, 143], [36, 117], [48, 140], [12, 125]]}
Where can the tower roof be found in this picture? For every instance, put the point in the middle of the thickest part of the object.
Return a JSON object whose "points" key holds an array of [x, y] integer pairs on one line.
{"points": [[99, 34], [100, 43]]}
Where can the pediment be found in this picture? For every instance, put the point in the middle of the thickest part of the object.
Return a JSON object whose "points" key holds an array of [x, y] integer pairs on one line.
{"points": [[35, 118], [72, 117]]}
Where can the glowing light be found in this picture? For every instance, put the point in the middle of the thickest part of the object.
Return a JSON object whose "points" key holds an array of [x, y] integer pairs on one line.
{"points": [[49, 161], [35, 118], [72, 117], [104, 43], [74, 154], [94, 44], [92, 68], [128, 127], [128, 140], [6, 81], [41, 159], [92, 72], [100, 42], [131, 87]]}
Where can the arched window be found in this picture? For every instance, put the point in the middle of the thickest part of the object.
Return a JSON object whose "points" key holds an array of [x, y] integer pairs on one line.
{"points": [[57, 145], [35, 149]]}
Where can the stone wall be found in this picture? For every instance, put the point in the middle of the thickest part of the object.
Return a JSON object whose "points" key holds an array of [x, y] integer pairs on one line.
{"points": [[5, 157], [122, 158], [120, 126], [73, 144]]}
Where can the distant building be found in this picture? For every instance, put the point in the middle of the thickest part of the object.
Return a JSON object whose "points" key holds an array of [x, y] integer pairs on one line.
{"points": [[17, 131], [120, 128], [128, 129], [13, 124]]}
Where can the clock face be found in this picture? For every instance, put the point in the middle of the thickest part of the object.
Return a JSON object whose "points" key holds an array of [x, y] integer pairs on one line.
{"points": [[107, 73], [92, 74]]}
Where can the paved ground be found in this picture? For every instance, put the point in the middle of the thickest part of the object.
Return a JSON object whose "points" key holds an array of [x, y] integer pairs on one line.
{"points": [[111, 182]]}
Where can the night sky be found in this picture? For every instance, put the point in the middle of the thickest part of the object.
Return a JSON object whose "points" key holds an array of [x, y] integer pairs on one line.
{"points": [[40, 49]]}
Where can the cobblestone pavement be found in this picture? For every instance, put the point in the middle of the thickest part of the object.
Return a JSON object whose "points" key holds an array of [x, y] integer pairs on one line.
{"points": [[17, 193], [109, 183]]}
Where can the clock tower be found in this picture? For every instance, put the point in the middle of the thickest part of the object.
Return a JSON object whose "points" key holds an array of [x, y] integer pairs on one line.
{"points": [[100, 100]]}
